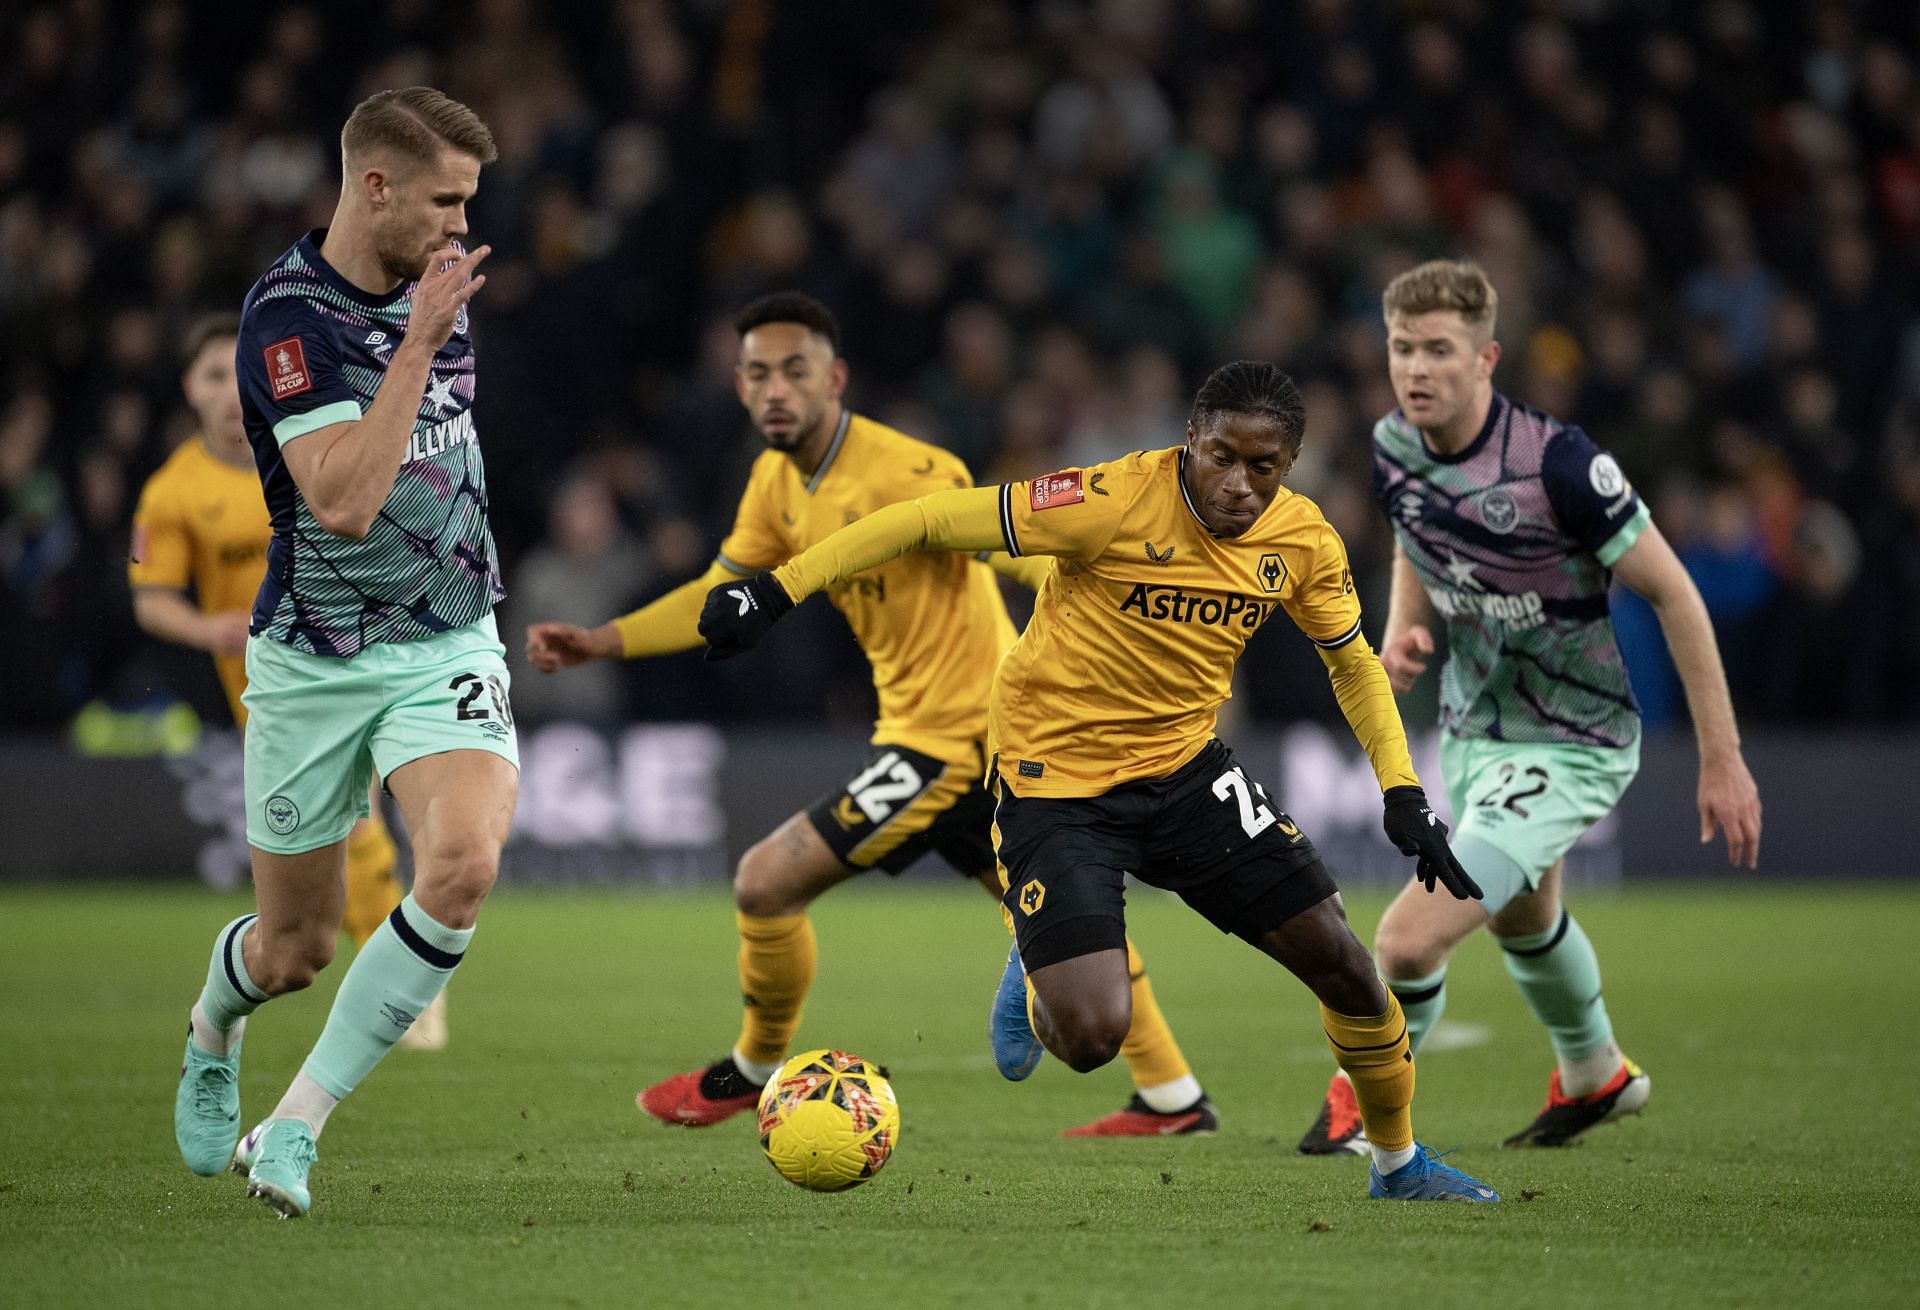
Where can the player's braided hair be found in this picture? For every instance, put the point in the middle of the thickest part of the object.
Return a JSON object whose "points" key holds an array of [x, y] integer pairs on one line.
{"points": [[1252, 386], [790, 307]]}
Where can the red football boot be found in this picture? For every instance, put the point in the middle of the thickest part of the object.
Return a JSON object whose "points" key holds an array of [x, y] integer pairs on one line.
{"points": [[1138, 1119], [1338, 1130], [701, 1097], [1565, 1118]]}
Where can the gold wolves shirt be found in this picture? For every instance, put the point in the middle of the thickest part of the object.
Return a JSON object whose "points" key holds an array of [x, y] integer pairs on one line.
{"points": [[932, 623], [1131, 649], [201, 524], [1514, 539], [313, 351]]}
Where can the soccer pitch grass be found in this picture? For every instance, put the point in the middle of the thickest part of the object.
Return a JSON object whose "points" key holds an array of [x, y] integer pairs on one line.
{"points": [[1776, 1164]]}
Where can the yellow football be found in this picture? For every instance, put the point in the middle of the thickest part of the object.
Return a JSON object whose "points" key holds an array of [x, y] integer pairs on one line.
{"points": [[828, 1120]]}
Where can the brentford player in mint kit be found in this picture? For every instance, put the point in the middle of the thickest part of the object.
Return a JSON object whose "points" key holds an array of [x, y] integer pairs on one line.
{"points": [[373, 645], [1509, 526]]}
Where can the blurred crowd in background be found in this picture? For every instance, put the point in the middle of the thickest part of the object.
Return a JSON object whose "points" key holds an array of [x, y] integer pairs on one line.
{"points": [[1041, 225]]}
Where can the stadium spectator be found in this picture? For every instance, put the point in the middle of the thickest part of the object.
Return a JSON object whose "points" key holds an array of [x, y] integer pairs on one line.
{"points": [[1705, 224], [586, 567]]}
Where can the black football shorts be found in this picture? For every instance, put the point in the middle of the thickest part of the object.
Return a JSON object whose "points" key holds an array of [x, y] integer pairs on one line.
{"points": [[902, 804], [1207, 832]]}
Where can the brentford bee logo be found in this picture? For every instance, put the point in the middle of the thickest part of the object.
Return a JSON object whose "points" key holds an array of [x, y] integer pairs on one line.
{"points": [[1499, 511], [287, 368]]}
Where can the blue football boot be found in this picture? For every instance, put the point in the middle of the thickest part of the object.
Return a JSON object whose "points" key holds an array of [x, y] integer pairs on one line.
{"points": [[1424, 1178], [1016, 1051]]}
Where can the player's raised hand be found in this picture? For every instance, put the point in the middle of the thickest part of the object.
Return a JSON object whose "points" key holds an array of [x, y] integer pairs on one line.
{"points": [[225, 633], [1730, 802], [738, 614], [1416, 830], [446, 286], [1405, 657], [553, 646]]}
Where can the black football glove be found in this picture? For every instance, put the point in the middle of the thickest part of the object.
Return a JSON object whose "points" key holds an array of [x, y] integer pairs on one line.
{"points": [[738, 614], [1416, 830]]}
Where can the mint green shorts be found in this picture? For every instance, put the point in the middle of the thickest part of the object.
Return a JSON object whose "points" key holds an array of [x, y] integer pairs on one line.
{"points": [[318, 727], [1531, 801]]}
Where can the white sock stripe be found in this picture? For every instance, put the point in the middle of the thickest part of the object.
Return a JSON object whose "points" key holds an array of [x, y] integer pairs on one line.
{"points": [[1170, 1098], [233, 959], [752, 1070]]}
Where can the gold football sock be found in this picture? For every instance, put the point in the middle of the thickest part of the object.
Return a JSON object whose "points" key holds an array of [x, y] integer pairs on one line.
{"points": [[1375, 1054], [1150, 1051], [777, 956], [372, 890]]}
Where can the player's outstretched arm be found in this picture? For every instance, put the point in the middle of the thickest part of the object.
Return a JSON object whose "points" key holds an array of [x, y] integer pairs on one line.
{"points": [[555, 646], [168, 614], [1728, 798], [661, 627], [1407, 644], [738, 614], [1366, 699], [346, 471]]}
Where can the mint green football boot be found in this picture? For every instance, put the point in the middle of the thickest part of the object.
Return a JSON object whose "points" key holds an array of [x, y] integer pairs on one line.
{"points": [[281, 1159], [206, 1108], [249, 1148]]}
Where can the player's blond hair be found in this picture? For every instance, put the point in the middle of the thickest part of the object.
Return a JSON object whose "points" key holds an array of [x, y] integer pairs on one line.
{"points": [[416, 122], [1442, 284]]}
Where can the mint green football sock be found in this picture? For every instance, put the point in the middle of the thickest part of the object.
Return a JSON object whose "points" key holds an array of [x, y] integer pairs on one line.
{"points": [[392, 979], [1422, 1000], [1559, 974]]}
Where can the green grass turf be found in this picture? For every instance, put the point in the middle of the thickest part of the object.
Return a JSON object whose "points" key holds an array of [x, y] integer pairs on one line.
{"points": [[1776, 1164]]}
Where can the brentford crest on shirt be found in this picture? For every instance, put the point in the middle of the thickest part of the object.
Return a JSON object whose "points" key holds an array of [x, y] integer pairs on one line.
{"points": [[1057, 489], [287, 368]]}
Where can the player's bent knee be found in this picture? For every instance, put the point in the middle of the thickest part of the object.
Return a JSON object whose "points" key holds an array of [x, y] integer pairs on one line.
{"points": [[763, 885], [763, 902], [1402, 951], [1351, 987], [1086, 1036], [289, 962], [1319, 949], [454, 877], [1527, 916], [1086, 1048]]}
